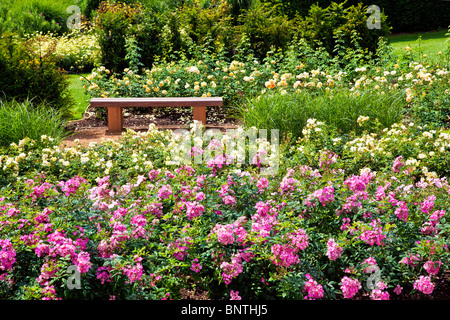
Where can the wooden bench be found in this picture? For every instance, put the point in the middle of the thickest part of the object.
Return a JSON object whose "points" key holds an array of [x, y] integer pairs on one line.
{"points": [[115, 105]]}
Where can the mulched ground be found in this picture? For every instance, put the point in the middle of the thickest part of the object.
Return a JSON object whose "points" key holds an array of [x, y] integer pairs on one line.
{"points": [[93, 126]]}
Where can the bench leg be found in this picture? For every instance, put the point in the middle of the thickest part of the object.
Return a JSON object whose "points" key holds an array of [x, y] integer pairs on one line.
{"points": [[114, 120], [200, 114]]}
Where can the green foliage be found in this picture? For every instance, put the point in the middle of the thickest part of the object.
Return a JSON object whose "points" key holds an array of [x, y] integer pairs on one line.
{"points": [[403, 15], [324, 27], [265, 30], [433, 108], [20, 120], [29, 16], [296, 7], [117, 22], [339, 109], [32, 74], [112, 22], [211, 27]]}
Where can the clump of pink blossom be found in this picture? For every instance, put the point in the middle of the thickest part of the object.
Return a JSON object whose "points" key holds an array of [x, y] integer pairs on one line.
{"points": [[398, 289], [350, 287], [299, 239], [333, 249], [287, 254], [82, 261], [71, 186], [427, 204], [373, 235], [402, 211], [134, 273], [264, 219], [325, 196], [313, 289], [284, 255], [103, 274], [369, 264], [359, 183], [411, 260], [7, 255], [41, 191], [196, 267], [180, 247], [234, 295], [287, 185], [398, 163], [424, 284], [49, 293], [165, 192], [194, 209], [432, 267], [231, 269], [262, 184], [227, 234], [378, 293]]}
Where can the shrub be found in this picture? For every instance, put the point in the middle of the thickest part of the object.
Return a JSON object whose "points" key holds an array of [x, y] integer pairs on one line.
{"points": [[20, 120], [147, 32], [32, 73], [211, 27], [423, 149], [28, 16], [115, 23], [403, 16], [112, 22], [76, 51], [323, 26], [295, 8], [265, 30]]}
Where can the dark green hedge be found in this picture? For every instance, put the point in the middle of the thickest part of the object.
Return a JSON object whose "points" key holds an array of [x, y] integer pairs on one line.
{"points": [[403, 15]]}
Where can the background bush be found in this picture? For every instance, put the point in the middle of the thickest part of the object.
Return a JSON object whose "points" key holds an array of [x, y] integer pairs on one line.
{"points": [[117, 22], [403, 15], [212, 26], [32, 75], [29, 16], [265, 30], [215, 28], [322, 26]]}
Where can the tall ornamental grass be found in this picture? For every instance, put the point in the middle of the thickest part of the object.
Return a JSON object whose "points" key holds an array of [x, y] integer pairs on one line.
{"points": [[289, 112], [19, 120]]}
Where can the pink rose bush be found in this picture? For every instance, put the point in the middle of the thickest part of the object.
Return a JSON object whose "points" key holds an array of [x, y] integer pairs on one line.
{"points": [[144, 229]]}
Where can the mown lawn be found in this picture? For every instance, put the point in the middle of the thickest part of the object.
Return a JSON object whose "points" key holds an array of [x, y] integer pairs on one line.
{"points": [[81, 98], [430, 43]]}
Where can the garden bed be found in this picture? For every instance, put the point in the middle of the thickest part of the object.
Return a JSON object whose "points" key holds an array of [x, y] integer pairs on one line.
{"points": [[137, 225]]}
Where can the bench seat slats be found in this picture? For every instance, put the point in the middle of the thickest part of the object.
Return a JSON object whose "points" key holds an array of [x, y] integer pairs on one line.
{"points": [[157, 102], [115, 106]]}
